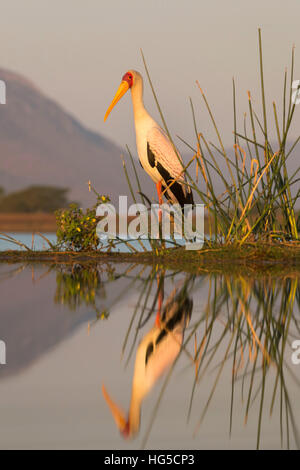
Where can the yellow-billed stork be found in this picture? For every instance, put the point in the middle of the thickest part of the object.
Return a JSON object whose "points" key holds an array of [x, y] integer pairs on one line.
{"points": [[156, 352], [155, 151]]}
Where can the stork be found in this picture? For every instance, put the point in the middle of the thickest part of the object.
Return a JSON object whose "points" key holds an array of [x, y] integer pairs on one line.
{"points": [[156, 352], [156, 153]]}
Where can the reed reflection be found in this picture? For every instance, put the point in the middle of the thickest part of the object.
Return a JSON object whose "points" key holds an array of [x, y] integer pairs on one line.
{"points": [[250, 324], [244, 327]]}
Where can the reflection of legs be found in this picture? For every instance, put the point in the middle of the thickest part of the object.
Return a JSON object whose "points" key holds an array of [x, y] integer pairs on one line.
{"points": [[158, 188], [160, 301]]}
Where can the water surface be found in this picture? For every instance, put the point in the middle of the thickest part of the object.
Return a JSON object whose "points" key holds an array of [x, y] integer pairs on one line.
{"points": [[225, 358]]}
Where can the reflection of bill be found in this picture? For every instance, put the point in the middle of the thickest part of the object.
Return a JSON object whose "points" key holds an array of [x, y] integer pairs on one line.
{"points": [[2, 353], [296, 92], [296, 353], [156, 352]]}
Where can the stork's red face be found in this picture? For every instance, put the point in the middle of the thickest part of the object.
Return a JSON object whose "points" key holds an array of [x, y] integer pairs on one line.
{"points": [[126, 83], [128, 77], [126, 431]]}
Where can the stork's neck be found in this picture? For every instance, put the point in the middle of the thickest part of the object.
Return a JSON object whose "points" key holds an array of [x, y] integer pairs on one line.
{"points": [[137, 101]]}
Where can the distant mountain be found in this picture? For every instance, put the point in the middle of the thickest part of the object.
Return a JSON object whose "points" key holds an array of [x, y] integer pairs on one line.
{"points": [[31, 323], [41, 143]]}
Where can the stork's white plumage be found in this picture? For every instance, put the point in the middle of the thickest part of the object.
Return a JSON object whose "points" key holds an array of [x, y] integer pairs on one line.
{"points": [[155, 151]]}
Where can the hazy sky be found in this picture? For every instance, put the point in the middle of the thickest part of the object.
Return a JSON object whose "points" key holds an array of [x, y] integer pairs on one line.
{"points": [[76, 51]]}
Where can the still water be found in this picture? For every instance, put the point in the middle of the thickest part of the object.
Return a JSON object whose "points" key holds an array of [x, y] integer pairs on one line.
{"points": [[42, 242], [34, 242], [120, 356]]}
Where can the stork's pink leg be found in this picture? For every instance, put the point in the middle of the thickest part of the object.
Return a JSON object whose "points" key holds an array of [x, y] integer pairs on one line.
{"points": [[158, 188], [160, 201]]}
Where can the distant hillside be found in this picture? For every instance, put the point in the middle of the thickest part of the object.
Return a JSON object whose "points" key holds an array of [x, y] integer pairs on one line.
{"points": [[46, 199], [40, 143]]}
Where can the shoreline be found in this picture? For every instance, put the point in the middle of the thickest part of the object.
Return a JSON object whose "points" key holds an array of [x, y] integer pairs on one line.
{"points": [[250, 260], [27, 222], [22, 222]]}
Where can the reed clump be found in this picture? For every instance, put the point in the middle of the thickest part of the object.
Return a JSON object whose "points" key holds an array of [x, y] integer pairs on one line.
{"points": [[260, 197]]}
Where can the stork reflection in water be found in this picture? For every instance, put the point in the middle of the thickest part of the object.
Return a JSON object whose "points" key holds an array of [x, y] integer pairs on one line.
{"points": [[156, 352]]}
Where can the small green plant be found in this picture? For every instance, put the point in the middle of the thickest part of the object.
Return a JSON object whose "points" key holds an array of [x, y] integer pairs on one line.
{"points": [[76, 228]]}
